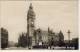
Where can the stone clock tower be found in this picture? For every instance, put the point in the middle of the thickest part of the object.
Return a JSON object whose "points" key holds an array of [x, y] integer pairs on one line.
{"points": [[30, 24]]}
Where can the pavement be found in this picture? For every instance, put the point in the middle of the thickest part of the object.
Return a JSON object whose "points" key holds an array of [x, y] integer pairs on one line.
{"points": [[53, 48]]}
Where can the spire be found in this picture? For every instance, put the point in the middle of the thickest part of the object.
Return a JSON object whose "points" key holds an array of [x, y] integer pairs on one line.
{"points": [[60, 32]]}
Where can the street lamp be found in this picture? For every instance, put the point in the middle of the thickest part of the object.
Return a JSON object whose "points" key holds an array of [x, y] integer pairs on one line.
{"points": [[69, 37]]}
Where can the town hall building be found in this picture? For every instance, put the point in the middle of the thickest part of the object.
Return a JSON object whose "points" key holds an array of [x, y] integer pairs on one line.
{"points": [[39, 36]]}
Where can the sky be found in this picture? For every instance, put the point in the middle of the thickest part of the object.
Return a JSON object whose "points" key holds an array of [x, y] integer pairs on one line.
{"points": [[58, 15]]}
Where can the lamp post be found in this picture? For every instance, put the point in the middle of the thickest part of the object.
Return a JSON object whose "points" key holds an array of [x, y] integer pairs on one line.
{"points": [[69, 37]]}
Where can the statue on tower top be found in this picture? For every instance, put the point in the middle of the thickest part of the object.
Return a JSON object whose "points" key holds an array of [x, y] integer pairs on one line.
{"points": [[30, 6]]}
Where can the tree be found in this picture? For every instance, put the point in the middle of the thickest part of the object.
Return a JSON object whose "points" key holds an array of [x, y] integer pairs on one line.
{"points": [[61, 39], [22, 40], [4, 38]]}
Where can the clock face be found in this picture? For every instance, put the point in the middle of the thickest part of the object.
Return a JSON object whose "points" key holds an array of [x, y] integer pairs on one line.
{"points": [[32, 23]]}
